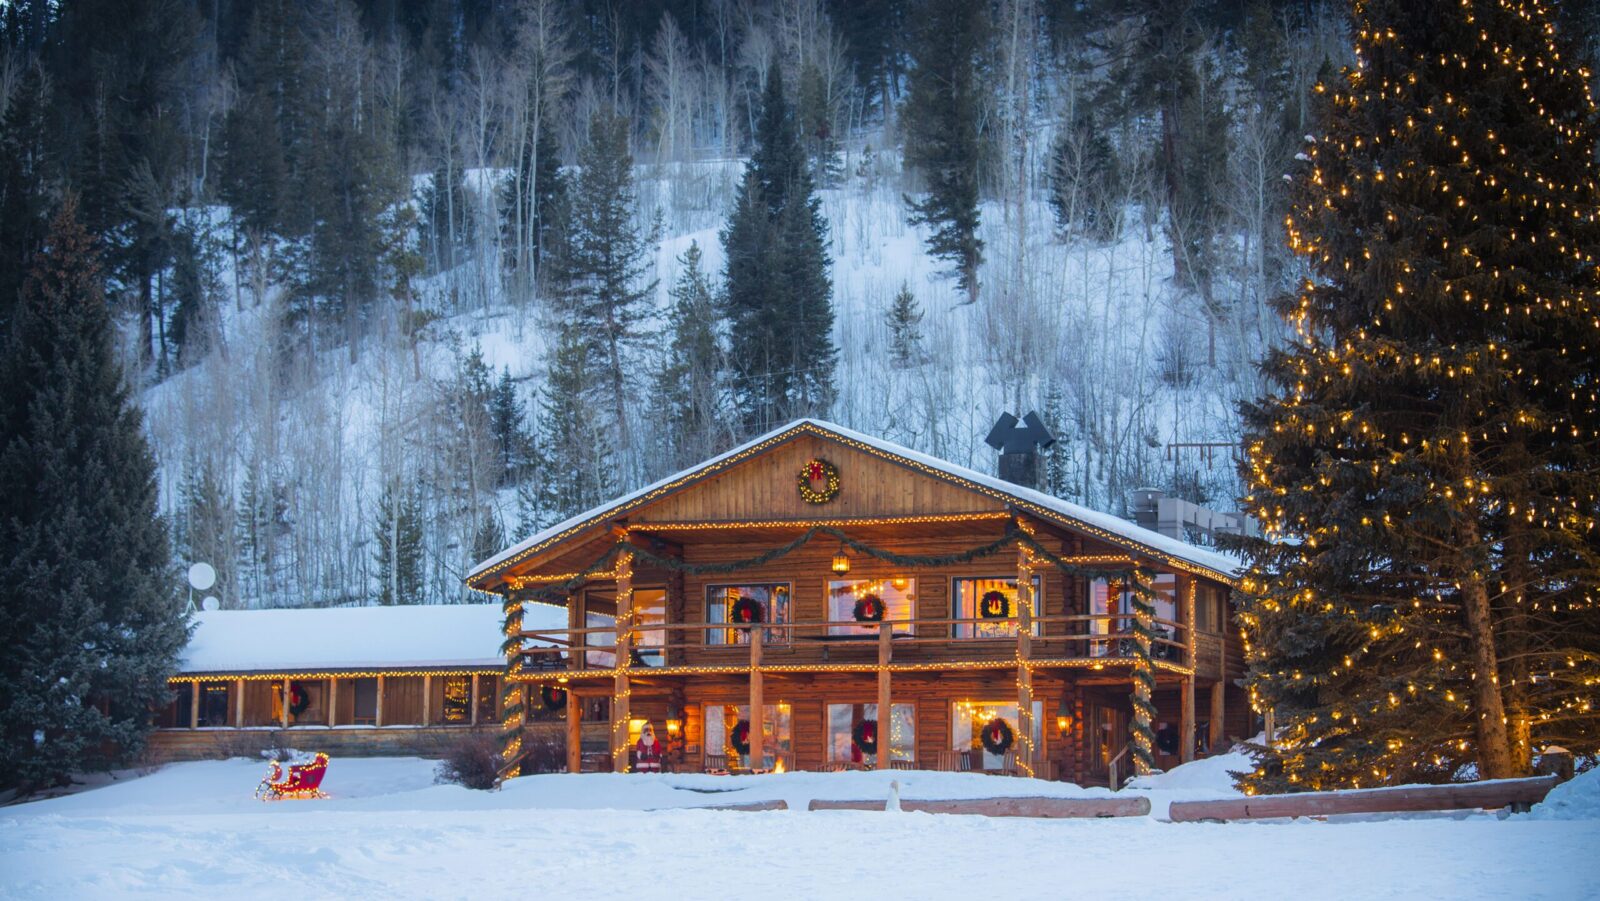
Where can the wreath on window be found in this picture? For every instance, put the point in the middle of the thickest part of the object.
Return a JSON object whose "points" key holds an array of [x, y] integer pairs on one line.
{"points": [[870, 609], [299, 699], [865, 736], [745, 612], [994, 605], [739, 738], [997, 736], [553, 698], [814, 472]]}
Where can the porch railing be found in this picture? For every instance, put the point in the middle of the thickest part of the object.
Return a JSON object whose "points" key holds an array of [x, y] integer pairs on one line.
{"points": [[1087, 637]]}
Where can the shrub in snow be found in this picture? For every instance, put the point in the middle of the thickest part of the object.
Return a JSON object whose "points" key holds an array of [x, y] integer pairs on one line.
{"points": [[472, 761], [543, 756]]}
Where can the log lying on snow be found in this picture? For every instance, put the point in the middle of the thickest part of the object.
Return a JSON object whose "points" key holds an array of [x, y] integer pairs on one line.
{"points": [[1498, 793], [1048, 808]]}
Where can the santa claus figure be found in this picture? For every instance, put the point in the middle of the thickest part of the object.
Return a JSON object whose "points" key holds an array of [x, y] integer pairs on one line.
{"points": [[647, 751]]}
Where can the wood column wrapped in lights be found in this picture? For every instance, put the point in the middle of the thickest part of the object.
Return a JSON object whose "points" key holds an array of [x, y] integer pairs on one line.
{"points": [[621, 690], [758, 754], [1025, 731], [885, 704]]}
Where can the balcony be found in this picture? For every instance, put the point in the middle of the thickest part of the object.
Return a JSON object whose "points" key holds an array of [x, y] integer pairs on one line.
{"points": [[1094, 641]]}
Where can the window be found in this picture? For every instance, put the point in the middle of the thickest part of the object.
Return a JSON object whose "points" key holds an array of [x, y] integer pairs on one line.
{"points": [[457, 707], [365, 710], [600, 612], [968, 595], [775, 731], [1112, 601], [772, 598], [650, 610], [214, 706], [845, 719], [969, 719], [898, 594], [177, 715]]}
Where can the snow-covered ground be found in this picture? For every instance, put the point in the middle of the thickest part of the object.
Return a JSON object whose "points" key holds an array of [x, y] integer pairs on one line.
{"points": [[192, 830]]}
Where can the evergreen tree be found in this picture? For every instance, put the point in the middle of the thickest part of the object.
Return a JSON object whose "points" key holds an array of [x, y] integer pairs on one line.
{"points": [[905, 328], [1085, 181], [574, 465], [89, 609], [397, 527], [779, 297], [490, 538], [603, 261], [691, 379], [261, 520], [206, 525], [944, 107], [25, 164], [1427, 460], [814, 111], [116, 69], [508, 426]]}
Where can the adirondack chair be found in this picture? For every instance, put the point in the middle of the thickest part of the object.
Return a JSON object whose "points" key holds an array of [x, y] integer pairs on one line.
{"points": [[303, 779]]}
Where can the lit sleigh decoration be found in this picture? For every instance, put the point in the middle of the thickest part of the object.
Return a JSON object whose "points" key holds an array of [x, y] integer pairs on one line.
{"points": [[303, 779]]}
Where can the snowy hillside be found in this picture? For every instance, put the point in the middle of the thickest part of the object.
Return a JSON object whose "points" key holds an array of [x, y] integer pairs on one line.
{"points": [[1094, 336]]}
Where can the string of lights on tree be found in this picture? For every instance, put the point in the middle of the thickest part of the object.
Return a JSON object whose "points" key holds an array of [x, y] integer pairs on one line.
{"points": [[1427, 467]]}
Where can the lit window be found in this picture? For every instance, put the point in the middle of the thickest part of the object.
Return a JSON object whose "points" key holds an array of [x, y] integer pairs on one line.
{"points": [[993, 602], [722, 720], [771, 599], [852, 728], [969, 720], [898, 596], [457, 700]]}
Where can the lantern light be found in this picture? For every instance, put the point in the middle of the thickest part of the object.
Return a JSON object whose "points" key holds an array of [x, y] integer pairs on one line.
{"points": [[841, 561]]}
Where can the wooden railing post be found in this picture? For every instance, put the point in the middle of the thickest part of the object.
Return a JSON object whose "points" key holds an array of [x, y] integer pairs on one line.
{"points": [[377, 705], [1186, 724], [885, 704], [574, 732], [194, 704], [621, 690], [238, 703], [758, 711], [333, 700], [283, 709], [1214, 740]]}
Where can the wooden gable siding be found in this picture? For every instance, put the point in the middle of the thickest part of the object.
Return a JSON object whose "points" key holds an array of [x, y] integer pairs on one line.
{"points": [[765, 488]]}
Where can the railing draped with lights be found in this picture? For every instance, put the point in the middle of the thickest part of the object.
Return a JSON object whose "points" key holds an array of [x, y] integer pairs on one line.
{"points": [[929, 642]]}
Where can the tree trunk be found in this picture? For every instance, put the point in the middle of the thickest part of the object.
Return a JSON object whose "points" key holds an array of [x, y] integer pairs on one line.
{"points": [[1494, 742]]}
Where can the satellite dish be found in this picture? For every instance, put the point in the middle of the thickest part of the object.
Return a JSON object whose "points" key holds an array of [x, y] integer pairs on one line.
{"points": [[211, 603], [202, 576]]}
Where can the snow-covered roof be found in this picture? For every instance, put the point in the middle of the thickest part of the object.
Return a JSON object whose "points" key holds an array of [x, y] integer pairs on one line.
{"points": [[353, 638], [1112, 528]]}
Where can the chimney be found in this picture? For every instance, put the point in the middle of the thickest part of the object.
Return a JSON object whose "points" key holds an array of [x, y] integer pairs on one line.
{"points": [[1019, 444]]}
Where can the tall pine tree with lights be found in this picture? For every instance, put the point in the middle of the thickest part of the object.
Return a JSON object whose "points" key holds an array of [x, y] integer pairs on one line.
{"points": [[1426, 462]]}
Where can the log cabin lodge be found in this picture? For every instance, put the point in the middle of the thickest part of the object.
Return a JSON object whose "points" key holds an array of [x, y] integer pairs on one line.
{"points": [[761, 608]]}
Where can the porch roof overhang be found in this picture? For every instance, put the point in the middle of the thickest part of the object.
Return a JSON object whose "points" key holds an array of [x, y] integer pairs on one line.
{"points": [[596, 524]]}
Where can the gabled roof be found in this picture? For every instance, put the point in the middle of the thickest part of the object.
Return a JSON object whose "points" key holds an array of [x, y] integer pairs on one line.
{"points": [[354, 638], [1105, 526]]}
